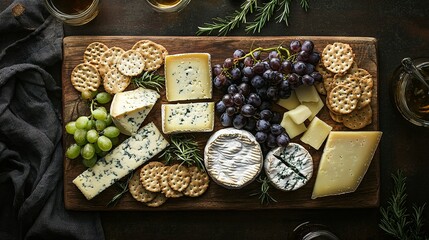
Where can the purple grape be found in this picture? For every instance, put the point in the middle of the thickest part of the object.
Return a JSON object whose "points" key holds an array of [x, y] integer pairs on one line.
{"points": [[273, 54], [239, 121], [286, 67], [276, 78], [257, 81], [245, 79], [259, 68], [248, 110], [307, 46], [219, 81], [265, 105], [277, 118], [257, 55], [254, 100], [244, 89], [235, 74], [231, 111], [294, 80], [307, 80], [262, 92], [228, 63], [248, 71], [267, 74], [303, 56], [285, 93], [248, 61], [232, 89], [295, 46], [316, 76], [275, 64], [217, 69], [266, 115], [228, 100], [276, 129], [263, 125], [220, 107], [309, 68], [271, 141], [299, 68], [225, 120], [238, 54], [261, 137], [238, 99], [284, 85], [251, 124], [314, 58], [283, 140], [272, 93]]}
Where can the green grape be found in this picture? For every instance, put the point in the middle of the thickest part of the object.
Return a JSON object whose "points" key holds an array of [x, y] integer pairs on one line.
{"points": [[80, 137], [115, 141], [104, 143], [87, 151], [97, 149], [100, 125], [108, 119], [102, 153], [90, 125], [111, 132], [73, 151], [92, 136], [81, 122], [99, 113], [87, 95], [71, 127], [90, 162], [103, 97]]}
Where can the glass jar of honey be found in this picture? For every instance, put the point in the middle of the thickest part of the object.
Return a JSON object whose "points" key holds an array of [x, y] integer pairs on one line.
{"points": [[168, 5], [313, 231], [411, 97], [73, 12]]}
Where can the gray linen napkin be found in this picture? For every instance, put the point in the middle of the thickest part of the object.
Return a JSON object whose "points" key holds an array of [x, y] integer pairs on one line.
{"points": [[31, 155]]}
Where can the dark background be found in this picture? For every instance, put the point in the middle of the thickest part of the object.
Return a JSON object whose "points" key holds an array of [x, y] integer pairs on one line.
{"points": [[402, 30]]}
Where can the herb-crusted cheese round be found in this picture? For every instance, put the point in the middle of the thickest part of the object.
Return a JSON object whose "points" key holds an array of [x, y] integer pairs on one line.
{"points": [[289, 168], [233, 158]]}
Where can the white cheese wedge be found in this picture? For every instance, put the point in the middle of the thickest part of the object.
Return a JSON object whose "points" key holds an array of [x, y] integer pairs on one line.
{"points": [[188, 117], [290, 102], [344, 162], [289, 168], [314, 107], [299, 114], [233, 158], [129, 109], [292, 129], [316, 133], [188, 76], [121, 161], [306, 93]]}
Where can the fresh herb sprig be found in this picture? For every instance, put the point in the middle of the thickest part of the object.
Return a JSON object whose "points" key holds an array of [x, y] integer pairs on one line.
{"points": [[264, 195], [264, 14], [396, 219], [149, 80], [185, 150], [123, 186]]}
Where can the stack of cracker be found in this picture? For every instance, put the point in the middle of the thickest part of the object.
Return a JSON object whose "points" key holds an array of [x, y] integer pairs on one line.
{"points": [[114, 67], [347, 87], [155, 182]]}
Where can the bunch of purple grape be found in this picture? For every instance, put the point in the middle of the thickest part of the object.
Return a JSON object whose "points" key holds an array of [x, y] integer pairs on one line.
{"points": [[253, 81]]}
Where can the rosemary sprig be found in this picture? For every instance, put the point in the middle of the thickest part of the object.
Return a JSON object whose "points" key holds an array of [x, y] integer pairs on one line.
{"points": [[263, 16], [395, 218], [225, 25], [123, 185], [185, 150], [264, 195], [149, 80]]}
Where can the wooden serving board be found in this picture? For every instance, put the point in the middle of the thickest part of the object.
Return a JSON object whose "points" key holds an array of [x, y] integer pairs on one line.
{"points": [[216, 197]]}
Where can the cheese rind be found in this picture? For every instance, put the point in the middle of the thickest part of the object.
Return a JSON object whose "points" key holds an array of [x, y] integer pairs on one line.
{"points": [[292, 129], [293, 171], [121, 161], [233, 158], [316, 133], [188, 76], [129, 109], [345, 161], [188, 117]]}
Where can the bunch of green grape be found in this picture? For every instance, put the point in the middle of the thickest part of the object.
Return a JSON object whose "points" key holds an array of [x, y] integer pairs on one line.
{"points": [[94, 135]]}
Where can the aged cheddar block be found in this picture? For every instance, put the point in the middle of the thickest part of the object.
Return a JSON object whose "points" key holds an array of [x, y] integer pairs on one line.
{"points": [[188, 117], [188, 76], [121, 161], [292, 129], [344, 162], [299, 114], [290, 102], [316, 133], [129, 109]]}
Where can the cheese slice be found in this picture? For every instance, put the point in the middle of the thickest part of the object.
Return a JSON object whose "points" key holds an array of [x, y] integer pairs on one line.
{"points": [[299, 114], [344, 162], [314, 107], [289, 103], [316, 133], [188, 76], [306, 93], [121, 161], [233, 158], [129, 109], [292, 129], [188, 117]]}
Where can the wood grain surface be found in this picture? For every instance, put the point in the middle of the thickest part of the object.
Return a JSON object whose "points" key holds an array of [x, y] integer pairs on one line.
{"points": [[218, 198]]}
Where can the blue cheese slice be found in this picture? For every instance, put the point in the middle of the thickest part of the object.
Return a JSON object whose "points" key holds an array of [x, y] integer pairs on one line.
{"points": [[129, 109], [188, 76], [233, 158], [121, 161], [289, 168], [188, 117]]}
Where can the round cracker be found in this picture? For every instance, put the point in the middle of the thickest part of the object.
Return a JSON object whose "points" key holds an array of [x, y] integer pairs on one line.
{"points": [[178, 177], [115, 82], [165, 187], [320, 88], [198, 184], [109, 59], [93, 53], [338, 57], [149, 175], [85, 77], [157, 201], [138, 191], [153, 54], [342, 99], [131, 63], [366, 85], [348, 80], [358, 118]]}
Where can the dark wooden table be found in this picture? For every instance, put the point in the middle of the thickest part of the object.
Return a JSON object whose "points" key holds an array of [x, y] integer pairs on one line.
{"points": [[402, 29]]}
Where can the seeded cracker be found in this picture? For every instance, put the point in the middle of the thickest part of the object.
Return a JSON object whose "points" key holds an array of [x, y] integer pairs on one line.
{"points": [[149, 175], [138, 191], [350, 81], [358, 118], [115, 82], [109, 59], [130, 63], [198, 184], [153, 54], [93, 53], [338, 57], [85, 77], [165, 187], [342, 99], [178, 177], [157, 201], [366, 85]]}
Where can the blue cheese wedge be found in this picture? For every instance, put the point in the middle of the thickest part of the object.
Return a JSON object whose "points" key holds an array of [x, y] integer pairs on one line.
{"points": [[188, 76], [187, 117], [233, 158], [289, 168], [121, 161], [129, 109]]}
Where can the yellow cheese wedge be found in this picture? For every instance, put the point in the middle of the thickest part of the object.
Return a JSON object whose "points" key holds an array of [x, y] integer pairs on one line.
{"points": [[307, 94], [292, 129], [316, 133], [299, 114], [290, 102], [314, 107], [345, 160]]}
